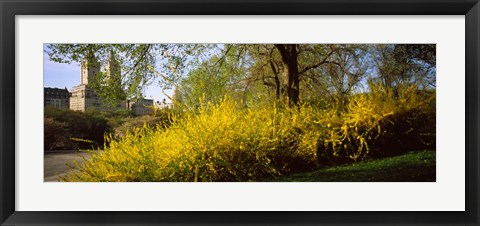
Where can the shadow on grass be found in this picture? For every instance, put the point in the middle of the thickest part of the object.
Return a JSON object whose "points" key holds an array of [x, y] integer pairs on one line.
{"points": [[411, 167]]}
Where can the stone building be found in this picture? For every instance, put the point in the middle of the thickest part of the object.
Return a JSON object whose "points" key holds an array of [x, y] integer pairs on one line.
{"points": [[83, 97], [141, 107], [163, 104], [56, 97], [88, 70]]}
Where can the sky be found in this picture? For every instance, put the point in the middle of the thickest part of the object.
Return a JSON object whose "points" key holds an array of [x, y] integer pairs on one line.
{"points": [[59, 75]]}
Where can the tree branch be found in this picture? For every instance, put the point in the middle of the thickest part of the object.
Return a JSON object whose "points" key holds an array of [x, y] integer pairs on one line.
{"points": [[324, 61]]}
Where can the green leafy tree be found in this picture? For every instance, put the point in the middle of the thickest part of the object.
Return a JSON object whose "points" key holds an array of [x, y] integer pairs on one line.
{"points": [[220, 76], [280, 67], [135, 62], [406, 64]]}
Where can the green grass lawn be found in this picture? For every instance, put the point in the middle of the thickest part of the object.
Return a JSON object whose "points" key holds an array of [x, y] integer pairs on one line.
{"points": [[414, 166]]}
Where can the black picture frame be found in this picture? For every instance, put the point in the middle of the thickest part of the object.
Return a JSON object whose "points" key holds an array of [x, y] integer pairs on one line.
{"points": [[9, 9]]}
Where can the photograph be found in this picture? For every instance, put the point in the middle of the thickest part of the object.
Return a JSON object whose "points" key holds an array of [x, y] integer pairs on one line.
{"points": [[287, 112], [222, 112]]}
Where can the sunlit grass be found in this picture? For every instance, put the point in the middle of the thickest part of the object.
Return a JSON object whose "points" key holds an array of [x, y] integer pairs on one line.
{"points": [[416, 166]]}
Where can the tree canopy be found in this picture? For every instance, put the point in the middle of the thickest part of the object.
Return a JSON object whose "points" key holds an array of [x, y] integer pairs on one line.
{"points": [[291, 73]]}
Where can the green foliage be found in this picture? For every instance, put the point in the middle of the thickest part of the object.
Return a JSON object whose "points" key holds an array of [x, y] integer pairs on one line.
{"points": [[89, 126], [211, 81], [55, 135], [133, 124], [116, 118], [213, 70], [406, 64], [135, 62]]}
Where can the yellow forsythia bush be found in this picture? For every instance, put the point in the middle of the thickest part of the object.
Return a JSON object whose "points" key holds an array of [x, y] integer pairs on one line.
{"points": [[217, 143], [380, 123], [225, 142]]}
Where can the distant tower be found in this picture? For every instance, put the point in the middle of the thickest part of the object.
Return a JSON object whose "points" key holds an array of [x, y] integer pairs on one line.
{"points": [[84, 97], [88, 69]]}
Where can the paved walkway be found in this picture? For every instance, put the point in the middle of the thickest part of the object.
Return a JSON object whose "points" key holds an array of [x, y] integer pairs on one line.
{"points": [[55, 163]]}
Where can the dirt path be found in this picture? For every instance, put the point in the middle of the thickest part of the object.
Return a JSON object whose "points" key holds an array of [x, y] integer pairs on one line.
{"points": [[55, 163]]}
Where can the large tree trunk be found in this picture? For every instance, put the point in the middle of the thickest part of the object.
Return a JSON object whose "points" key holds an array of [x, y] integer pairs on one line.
{"points": [[290, 63]]}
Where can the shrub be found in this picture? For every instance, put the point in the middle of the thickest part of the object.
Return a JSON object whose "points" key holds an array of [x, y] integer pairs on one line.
{"points": [[132, 124], [80, 127], [55, 135], [114, 118], [381, 123], [218, 143], [225, 142]]}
